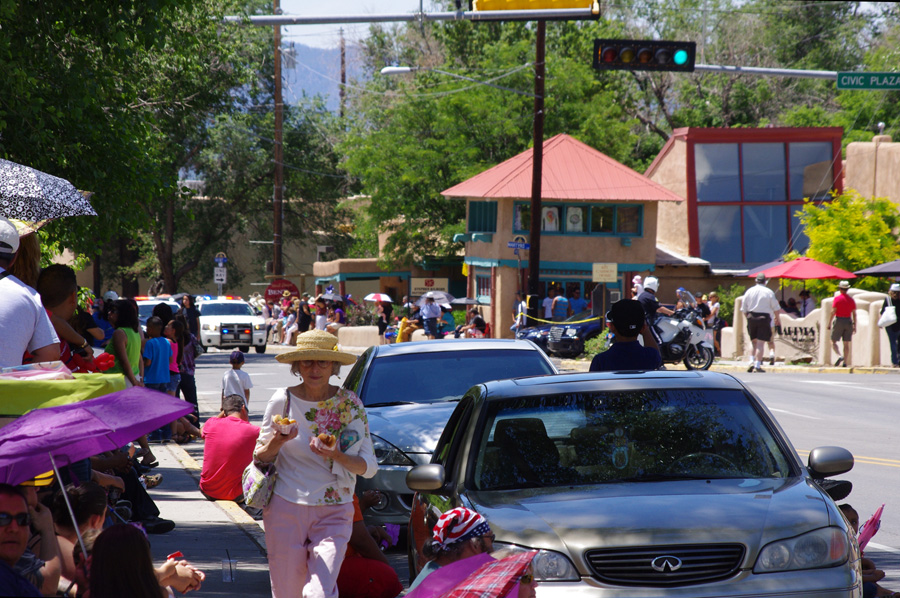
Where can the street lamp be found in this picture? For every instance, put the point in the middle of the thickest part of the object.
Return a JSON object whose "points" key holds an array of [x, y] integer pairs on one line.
{"points": [[534, 256]]}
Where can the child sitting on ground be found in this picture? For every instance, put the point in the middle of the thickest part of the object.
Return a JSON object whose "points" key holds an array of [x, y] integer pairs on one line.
{"points": [[870, 574], [626, 321]]}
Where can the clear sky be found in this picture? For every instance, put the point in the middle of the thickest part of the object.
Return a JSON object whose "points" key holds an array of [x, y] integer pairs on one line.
{"points": [[327, 36]]}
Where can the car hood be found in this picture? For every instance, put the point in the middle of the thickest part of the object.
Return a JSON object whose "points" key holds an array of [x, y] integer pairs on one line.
{"points": [[571, 520], [412, 428], [232, 319]]}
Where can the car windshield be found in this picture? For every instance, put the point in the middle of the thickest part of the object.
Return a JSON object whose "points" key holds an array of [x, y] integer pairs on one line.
{"points": [[633, 436], [582, 315], [225, 309], [444, 375], [145, 310]]}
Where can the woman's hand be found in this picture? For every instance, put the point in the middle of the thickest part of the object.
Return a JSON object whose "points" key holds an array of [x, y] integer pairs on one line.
{"points": [[323, 450], [268, 453]]}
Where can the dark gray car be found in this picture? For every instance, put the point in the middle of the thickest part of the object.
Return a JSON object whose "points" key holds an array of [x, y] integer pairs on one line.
{"points": [[641, 484], [410, 389]]}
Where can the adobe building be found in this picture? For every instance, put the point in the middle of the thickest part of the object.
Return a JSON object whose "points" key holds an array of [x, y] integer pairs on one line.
{"points": [[599, 226]]}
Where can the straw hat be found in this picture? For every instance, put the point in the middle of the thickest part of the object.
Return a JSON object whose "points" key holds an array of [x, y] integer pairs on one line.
{"points": [[317, 345]]}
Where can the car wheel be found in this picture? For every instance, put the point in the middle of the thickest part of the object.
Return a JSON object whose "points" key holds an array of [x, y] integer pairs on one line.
{"points": [[245, 349], [260, 348]]}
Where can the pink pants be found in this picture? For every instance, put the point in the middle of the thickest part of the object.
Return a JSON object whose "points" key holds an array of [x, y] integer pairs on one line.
{"points": [[306, 547]]}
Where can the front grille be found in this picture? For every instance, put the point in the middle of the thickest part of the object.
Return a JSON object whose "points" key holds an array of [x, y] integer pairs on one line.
{"points": [[699, 563], [556, 333]]}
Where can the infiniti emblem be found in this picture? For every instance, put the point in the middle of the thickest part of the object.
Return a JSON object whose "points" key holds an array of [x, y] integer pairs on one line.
{"points": [[666, 564]]}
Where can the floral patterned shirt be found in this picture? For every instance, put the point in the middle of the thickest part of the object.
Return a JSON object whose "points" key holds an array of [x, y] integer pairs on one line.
{"points": [[304, 477]]}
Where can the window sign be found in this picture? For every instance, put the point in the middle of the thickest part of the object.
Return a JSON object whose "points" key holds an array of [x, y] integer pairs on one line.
{"points": [[575, 220], [550, 219]]}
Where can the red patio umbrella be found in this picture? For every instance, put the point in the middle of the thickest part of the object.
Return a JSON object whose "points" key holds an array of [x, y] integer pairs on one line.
{"points": [[805, 268]]}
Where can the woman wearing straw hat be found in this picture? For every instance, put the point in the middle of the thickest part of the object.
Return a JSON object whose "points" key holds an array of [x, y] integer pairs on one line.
{"points": [[310, 515]]}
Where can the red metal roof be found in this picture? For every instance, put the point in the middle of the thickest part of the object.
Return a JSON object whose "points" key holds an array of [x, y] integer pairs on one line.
{"points": [[572, 170]]}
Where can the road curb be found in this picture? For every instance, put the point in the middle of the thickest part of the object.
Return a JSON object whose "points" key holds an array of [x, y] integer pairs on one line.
{"points": [[239, 516]]}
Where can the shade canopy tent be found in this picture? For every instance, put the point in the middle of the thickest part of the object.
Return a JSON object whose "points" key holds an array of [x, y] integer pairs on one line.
{"points": [[804, 268], [886, 269]]}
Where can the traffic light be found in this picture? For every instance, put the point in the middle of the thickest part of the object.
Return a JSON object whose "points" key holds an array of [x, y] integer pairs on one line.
{"points": [[643, 55]]}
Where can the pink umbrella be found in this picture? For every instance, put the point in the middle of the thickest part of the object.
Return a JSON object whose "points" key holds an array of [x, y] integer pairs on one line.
{"points": [[805, 268], [870, 528], [494, 580]]}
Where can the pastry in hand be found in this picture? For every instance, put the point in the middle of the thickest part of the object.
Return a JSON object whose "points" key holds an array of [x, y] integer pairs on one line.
{"points": [[327, 439]]}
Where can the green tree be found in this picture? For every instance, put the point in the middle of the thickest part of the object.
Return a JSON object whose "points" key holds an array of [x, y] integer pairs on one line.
{"points": [[852, 233]]}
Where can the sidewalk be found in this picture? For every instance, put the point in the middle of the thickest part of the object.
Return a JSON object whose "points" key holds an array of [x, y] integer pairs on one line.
{"points": [[206, 532]]}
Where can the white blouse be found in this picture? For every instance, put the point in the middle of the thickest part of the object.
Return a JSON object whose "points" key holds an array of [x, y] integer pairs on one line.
{"points": [[304, 477]]}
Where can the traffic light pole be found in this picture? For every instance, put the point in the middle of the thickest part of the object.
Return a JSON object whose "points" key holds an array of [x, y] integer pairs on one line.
{"points": [[537, 160]]}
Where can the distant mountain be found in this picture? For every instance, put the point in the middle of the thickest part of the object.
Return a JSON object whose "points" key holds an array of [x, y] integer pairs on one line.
{"points": [[316, 71]]}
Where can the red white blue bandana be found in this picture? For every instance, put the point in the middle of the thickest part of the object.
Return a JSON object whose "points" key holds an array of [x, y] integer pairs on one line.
{"points": [[458, 525]]}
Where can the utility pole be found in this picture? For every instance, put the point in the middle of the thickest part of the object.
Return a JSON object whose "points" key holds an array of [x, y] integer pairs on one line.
{"points": [[278, 196], [537, 160], [342, 91]]}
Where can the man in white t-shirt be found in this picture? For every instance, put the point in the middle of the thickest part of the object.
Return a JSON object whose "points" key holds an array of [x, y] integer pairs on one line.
{"points": [[235, 381], [547, 303], [23, 319]]}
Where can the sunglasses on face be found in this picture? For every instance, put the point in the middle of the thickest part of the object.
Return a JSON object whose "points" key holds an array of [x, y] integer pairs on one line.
{"points": [[527, 579], [22, 519], [308, 363]]}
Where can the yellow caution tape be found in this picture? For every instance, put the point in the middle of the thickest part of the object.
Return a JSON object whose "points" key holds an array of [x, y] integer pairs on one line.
{"points": [[566, 322]]}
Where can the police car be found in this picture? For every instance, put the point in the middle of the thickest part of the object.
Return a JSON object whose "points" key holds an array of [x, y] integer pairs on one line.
{"points": [[230, 322]]}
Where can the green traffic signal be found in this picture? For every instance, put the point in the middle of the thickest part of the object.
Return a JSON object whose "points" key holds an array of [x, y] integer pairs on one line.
{"points": [[681, 57], [644, 55]]}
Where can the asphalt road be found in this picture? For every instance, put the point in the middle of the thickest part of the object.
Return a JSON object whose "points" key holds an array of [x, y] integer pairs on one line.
{"points": [[855, 411]]}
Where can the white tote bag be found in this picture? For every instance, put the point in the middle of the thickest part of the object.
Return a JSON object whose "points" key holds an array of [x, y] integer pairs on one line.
{"points": [[889, 316]]}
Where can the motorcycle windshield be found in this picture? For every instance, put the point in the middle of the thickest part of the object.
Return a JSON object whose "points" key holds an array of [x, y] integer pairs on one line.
{"points": [[687, 298]]}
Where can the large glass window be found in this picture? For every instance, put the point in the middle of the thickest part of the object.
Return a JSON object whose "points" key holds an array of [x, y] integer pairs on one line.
{"points": [[717, 172], [628, 220], [764, 172], [799, 240], [765, 233], [720, 234], [482, 216], [602, 219], [811, 169]]}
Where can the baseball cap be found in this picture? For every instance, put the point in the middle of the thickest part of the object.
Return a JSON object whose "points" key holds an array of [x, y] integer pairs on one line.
{"points": [[844, 284], [895, 288], [761, 277], [627, 315], [110, 296], [9, 236]]}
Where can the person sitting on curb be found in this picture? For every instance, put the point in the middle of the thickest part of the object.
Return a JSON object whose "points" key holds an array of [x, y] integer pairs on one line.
{"points": [[228, 449], [870, 573], [626, 320], [458, 534], [366, 572]]}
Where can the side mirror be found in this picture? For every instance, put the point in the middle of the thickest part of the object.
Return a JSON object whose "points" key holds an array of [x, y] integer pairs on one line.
{"points": [[826, 461], [426, 478]]}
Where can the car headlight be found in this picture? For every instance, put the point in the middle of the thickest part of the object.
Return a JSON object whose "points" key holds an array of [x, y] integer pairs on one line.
{"points": [[548, 565], [210, 327], [824, 547], [571, 332], [388, 454], [258, 326]]}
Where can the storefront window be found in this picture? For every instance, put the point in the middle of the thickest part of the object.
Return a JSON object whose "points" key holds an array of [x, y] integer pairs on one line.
{"points": [[765, 233], [483, 288], [550, 219], [602, 219], [717, 172], [811, 169], [575, 219], [522, 218], [628, 220], [764, 172], [720, 234]]}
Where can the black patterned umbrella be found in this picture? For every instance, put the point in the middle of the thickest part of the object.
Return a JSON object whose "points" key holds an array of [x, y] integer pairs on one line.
{"points": [[33, 196]]}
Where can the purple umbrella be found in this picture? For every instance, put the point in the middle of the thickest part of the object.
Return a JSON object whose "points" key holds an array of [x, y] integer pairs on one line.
{"points": [[80, 430]]}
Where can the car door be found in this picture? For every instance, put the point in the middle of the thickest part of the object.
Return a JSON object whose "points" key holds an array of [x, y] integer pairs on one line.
{"points": [[427, 508]]}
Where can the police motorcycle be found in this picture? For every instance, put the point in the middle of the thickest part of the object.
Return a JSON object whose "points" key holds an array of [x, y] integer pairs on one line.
{"points": [[684, 336]]}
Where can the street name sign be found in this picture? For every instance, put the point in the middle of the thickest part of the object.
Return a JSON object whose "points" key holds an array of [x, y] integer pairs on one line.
{"points": [[868, 81], [516, 245]]}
